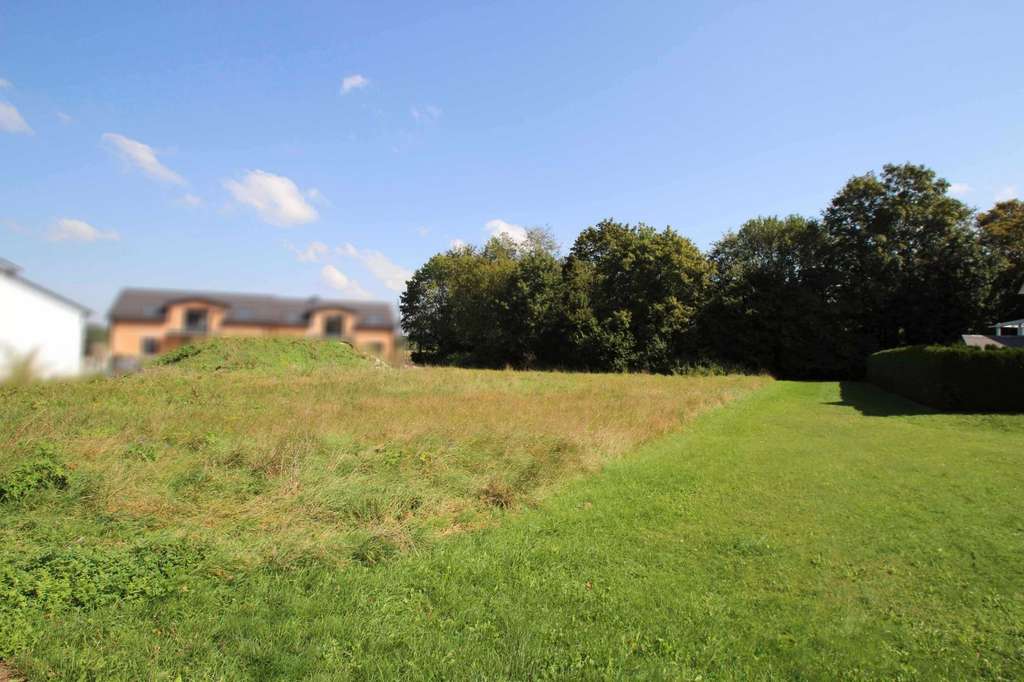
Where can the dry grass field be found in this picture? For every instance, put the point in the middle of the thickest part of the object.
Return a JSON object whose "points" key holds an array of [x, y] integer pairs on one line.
{"points": [[353, 462]]}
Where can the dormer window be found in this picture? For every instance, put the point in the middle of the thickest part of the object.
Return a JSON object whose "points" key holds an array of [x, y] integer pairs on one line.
{"points": [[333, 325], [196, 320]]}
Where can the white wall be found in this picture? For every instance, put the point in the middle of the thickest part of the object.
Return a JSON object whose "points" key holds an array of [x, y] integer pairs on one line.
{"points": [[31, 320]]}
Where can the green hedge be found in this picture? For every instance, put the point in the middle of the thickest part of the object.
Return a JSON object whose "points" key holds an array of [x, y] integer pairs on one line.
{"points": [[957, 378]]}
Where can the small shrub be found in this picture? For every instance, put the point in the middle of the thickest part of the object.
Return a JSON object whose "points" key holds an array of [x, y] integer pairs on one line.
{"points": [[42, 472], [953, 377]]}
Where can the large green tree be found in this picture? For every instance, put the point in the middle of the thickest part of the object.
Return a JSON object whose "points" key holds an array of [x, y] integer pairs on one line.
{"points": [[767, 309], [631, 295], [1002, 234], [489, 307], [906, 263]]}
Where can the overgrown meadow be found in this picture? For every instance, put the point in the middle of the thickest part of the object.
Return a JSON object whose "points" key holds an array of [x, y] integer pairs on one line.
{"points": [[112, 489]]}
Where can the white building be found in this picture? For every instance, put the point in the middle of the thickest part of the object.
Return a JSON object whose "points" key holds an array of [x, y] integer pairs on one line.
{"points": [[38, 325]]}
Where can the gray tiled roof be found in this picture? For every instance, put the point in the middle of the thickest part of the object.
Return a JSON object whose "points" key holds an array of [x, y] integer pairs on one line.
{"points": [[149, 304]]}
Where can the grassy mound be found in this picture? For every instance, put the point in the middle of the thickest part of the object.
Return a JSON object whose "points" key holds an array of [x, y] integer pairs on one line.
{"points": [[269, 354]]}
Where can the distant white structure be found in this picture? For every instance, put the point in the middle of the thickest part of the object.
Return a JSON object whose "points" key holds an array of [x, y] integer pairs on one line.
{"points": [[1016, 325], [38, 325]]}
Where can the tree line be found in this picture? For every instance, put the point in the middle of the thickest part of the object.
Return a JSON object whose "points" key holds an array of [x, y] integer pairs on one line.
{"points": [[892, 260]]}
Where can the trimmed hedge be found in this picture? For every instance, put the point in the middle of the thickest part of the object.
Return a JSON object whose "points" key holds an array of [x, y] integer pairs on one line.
{"points": [[956, 378]]}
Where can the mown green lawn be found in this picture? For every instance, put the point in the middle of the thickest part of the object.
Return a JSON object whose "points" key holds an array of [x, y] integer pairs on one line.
{"points": [[805, 531]]}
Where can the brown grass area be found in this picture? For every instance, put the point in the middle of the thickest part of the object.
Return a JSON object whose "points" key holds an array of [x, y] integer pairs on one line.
{"points": [[274, 464]]}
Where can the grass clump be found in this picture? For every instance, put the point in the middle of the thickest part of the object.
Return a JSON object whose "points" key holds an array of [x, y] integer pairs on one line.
{"points": [[267, 354]]}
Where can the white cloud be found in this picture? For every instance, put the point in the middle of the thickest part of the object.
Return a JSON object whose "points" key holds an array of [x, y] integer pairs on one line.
{"points": [[142, 157], [192, 200], [516, 233], [336, 279], [73, 230], [4, 83], [353, 82], [276, 198], [423, 231], [11, 120], [312, 253], [427, 113], [390, 274], [960, 188], [64, 118], [458, 244], [1007, 193]]}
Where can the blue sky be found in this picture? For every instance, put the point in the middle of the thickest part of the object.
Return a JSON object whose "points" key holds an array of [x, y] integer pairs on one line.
{"points": [[331, 148]]}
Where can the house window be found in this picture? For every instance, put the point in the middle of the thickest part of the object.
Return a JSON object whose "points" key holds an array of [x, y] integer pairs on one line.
{"points": [[195, 320], [332, 325], [150, 346], [374, 320]]}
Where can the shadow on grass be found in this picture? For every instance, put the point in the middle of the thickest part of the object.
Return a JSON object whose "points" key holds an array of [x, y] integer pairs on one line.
{"points": [[872, 401]]}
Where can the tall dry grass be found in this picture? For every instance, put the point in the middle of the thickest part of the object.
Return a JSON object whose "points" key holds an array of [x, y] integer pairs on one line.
{"points": [[332, 461]]}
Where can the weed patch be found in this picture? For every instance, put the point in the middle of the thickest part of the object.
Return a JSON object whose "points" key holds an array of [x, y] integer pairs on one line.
{"points": [[49, 582], [43, 471]]}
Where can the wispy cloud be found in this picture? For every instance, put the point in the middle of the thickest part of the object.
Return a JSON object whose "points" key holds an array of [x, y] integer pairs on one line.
{"points": [[427, 113], [1007, 193], [458, 244], [317, 197], [353, 82], [4, 84], [15, 226], [390, 274], [497, 227], [192, 200], [142, 157], [74, 230], [311, 254], [276, 198], [65, 118], [336, 279], [960, 188], [11, 120]]}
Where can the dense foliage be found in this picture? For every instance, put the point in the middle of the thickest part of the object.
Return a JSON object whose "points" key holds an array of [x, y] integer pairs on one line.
{"points": [[953, 377], [1002, 235], [892, 261]]}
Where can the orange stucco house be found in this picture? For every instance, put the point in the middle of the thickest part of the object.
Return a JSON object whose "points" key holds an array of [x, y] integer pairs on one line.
{"points": [[145, 322]]}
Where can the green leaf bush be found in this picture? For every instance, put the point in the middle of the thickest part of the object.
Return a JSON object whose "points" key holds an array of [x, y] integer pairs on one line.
{"points": [[953, 378]]}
